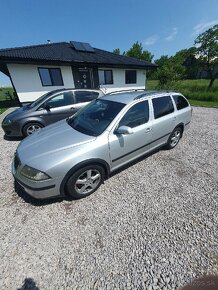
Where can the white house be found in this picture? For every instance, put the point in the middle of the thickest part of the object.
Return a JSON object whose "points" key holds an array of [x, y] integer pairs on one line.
{"points": [[35, 70]]}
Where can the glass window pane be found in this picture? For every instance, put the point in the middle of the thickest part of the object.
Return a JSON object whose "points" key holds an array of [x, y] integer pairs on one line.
{"points": [[162, 106], [60, 100], [181, 102], [45, 76], [101, 77], [84, 96], [56, 77], [130, 76], [108, 77], [136, 116]]}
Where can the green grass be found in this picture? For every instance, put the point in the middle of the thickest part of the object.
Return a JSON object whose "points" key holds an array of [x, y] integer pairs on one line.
{"points": [[3, 91], [194, 90], [2, 110]]}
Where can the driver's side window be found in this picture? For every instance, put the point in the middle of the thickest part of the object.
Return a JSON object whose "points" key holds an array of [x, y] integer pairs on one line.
{"points": [[136, 115], [60, 100]]}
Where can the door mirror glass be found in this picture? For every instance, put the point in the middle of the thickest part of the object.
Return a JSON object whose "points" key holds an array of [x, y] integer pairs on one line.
{"points": [[124, 130]]}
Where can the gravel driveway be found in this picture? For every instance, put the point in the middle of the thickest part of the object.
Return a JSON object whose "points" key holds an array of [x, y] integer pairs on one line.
{"points": [[152, 225]]}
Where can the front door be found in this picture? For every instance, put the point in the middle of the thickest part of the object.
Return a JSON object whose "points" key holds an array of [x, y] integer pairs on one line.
{"points": [[83, 78], [124, 148], [60, 106]]}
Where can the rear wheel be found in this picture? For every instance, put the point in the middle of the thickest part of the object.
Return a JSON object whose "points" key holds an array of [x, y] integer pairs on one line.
{"points": [[85, 181], [30, 128], [174, 138]]}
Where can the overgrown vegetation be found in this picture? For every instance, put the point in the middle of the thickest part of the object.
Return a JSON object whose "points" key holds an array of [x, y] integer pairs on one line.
{"points": [[195, 90]]}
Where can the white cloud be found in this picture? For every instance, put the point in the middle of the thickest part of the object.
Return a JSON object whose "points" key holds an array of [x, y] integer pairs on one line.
{"points": [[172, 35], [203, 26], [150, 40]]}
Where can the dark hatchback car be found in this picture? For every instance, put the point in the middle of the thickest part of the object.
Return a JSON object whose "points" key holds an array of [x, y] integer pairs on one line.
{"points": [[49, 108]]}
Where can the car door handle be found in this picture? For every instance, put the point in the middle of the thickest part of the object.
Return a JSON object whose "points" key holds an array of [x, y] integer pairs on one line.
{"points": [[147, 130], [174, 118], [72, 108]]}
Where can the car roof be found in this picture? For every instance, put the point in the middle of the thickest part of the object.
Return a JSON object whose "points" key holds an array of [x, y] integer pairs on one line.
{"points": [[128, 96]]}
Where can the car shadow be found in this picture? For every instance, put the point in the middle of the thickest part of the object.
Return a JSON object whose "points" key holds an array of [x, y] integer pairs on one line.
{"points": [[8, 138], [37, 202]]}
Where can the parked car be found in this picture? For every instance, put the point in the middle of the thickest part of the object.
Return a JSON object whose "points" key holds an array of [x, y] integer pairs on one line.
{"points": [[74, 156], [49, 108]]}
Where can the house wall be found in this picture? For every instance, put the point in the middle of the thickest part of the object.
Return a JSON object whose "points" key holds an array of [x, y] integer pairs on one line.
{"points": [[28, 85], [27, 81], [119, 81]]}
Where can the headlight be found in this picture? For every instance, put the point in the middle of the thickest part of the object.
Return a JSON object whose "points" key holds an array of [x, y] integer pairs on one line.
{"points": [[33, 173], [7, 121]]}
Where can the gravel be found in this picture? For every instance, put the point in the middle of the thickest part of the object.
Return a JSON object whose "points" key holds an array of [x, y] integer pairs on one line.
{"points": [[152, 225]]}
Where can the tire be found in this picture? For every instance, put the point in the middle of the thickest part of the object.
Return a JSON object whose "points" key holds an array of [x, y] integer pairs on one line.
{"points": [[174, 138], [85, 181], [30, 128]]}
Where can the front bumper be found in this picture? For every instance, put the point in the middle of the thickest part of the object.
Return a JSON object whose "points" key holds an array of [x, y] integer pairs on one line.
{"points": [[37, 189], [12, 130]]}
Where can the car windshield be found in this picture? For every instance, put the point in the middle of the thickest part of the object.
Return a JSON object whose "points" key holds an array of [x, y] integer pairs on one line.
{"points": [[42, 98], [94, 118]]}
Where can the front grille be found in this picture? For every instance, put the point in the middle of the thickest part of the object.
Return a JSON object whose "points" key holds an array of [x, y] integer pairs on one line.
{"points": [[16, 161]]}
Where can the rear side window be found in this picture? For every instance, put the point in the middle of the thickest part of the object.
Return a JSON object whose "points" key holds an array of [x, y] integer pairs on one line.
{"points": [[136, 116], [85, 96], [181, 102], [162, 106]]}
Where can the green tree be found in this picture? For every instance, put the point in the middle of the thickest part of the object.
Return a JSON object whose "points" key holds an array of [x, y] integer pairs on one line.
{"points": [[207, 51], [116, 51], [137, 51]]}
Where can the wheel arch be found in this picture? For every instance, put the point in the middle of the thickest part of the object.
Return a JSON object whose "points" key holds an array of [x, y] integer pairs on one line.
{"points": [[82, 164], [30, 122], [180, 125]]}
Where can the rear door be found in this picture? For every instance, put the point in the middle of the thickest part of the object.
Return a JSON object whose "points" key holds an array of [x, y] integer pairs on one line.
{"points": [[164, 120], [60, 106], [124, 148], [82, 98]]}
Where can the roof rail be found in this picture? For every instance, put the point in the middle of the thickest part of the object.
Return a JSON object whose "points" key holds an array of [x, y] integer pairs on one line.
{"points": [[123, 91]]}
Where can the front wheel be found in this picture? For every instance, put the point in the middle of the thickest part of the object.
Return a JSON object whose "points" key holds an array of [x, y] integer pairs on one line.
{"points": [[30, 128], [174, 138], [85, 181]]}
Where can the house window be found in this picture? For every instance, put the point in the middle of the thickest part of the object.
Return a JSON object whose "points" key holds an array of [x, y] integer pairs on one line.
{"points": [[50, 76], [105, 77], [130, 76]]}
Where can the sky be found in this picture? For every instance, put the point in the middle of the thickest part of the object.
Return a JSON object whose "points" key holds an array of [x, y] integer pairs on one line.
{"points": [[162, 26]]}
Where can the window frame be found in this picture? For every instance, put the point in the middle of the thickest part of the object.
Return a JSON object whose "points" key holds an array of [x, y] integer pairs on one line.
{"points": [[159, 97], [112, 77], [51, 78], [131, 70]]}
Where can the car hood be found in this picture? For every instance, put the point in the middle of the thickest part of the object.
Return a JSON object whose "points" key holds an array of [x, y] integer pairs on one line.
{"points": [[54, 138], [18, 113]]}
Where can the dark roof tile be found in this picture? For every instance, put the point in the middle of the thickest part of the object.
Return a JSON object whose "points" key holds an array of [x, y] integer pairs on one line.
{"points": [[64, 52]]}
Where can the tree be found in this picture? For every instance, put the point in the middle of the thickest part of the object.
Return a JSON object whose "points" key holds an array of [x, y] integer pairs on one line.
{"points": [[116, 51], [137, 51], [207, 52]]}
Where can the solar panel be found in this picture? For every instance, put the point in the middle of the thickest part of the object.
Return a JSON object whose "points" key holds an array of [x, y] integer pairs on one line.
{"points": [[82, 46]]}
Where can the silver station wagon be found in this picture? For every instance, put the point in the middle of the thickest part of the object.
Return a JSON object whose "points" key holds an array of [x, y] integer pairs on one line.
{"points": [[74, 156]]}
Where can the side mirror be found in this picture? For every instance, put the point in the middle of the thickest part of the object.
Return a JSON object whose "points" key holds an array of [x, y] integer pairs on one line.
{"points": [[124, 130], [47, 107]]}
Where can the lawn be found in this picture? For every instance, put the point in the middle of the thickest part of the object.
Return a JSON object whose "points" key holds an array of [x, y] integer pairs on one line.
{"points": [[4, 91], [194, 90], [3, 97]]}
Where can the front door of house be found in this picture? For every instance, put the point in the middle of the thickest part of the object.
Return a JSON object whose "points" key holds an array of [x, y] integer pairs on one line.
{"points": [[82, 78], [85, 78]]}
